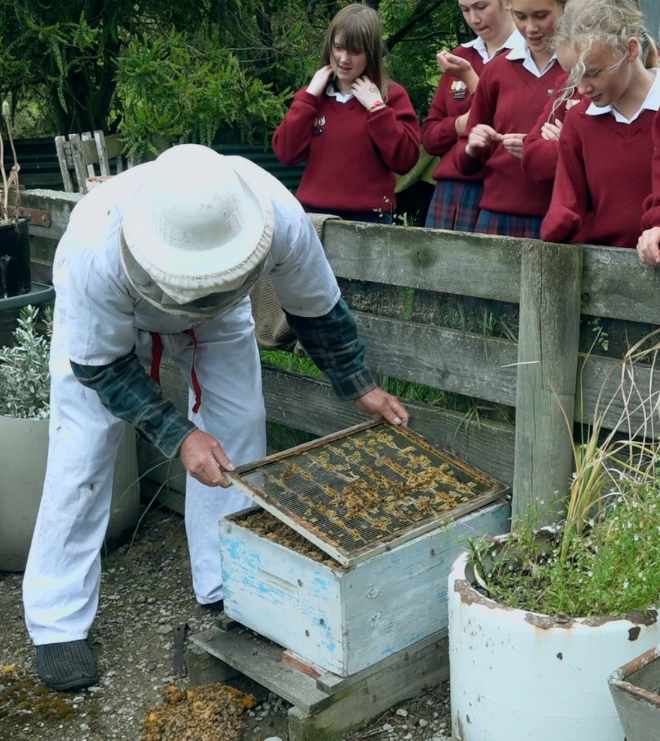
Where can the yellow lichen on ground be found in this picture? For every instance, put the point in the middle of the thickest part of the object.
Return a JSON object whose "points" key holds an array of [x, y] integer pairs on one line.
{"points": [[11, 672], [207, 713]]}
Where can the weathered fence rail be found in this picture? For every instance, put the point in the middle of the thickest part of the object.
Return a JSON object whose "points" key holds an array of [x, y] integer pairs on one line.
{"points": [[554, 285]]}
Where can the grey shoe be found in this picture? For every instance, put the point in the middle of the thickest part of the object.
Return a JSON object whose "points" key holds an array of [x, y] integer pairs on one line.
{"points": [[67, 666], [217, 606]]}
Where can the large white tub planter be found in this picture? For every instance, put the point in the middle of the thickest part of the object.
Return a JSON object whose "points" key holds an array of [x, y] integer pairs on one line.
{"points": [[23, 454], [523, 676]]}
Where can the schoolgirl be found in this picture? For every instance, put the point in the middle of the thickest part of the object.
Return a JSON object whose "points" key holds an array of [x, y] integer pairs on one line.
{"points": [[606, 144], [513, 90], [355, 127], [455, 202]]}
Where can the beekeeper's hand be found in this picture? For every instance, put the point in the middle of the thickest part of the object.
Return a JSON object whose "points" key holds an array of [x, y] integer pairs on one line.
{"points": [[204, 459], [379, 404], [648, 247]]}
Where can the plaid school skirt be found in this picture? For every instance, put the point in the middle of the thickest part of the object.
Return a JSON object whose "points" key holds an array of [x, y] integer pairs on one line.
{"points": [[455, 205], [508, 225]]}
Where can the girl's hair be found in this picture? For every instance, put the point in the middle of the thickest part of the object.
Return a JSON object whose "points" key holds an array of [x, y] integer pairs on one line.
{"points": [[359, 30], [608, 22], [561, 3], [611, 23]]}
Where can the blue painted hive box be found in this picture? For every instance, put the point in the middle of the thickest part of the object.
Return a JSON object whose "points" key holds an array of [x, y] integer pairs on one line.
{"points": [[348, 561]]}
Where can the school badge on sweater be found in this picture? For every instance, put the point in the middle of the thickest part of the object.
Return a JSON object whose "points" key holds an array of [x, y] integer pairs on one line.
{"points": [[459, 89], [319, 123]]}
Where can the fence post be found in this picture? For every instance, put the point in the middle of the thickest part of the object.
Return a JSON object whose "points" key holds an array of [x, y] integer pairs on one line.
{"points": [[551, 277], [651, 11]]}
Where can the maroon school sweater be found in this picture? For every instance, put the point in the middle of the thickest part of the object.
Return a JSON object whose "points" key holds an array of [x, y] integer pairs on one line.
{"points": [[540, 155], [509, 99], [439, 128], [651, 216], [351, 154], [603, 177]]}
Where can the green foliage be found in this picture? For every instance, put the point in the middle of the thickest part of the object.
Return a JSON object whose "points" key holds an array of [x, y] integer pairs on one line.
{"points": [[174, 89], [24, 376], [411, 61], [62, 58], [61, 55], [290, 362]]}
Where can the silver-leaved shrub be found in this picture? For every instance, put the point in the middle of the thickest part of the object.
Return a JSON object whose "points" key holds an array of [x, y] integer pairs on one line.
{"points": [[24, 376]]}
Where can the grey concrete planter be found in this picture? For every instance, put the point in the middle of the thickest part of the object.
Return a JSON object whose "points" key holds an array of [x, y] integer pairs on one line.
{"points": [[23, 451], [635, 688]]}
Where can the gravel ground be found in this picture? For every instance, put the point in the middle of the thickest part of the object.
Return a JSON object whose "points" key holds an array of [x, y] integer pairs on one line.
{"points": [[146, 590]]}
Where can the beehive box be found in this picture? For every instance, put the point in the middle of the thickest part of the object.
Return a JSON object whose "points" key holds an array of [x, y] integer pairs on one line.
{"points": [[389, 590]]}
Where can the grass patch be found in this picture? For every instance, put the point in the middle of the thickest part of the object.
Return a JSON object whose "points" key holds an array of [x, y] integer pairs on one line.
{"points": [[473, 409], [289, 362]]}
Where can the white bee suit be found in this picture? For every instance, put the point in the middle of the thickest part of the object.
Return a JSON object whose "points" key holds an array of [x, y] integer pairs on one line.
{"points": [[99, 318]]}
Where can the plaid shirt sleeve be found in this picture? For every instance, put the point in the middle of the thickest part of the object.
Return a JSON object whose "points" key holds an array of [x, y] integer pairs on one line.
{"points": [[130, 394], [333, 344]]}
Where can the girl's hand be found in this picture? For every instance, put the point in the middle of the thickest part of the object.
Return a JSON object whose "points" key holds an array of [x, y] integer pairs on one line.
{"points": [[648, 247], [513, 143], [458, 67], [320, 81], [460, 123], [552, 132], [481, 139], [367, 93]]}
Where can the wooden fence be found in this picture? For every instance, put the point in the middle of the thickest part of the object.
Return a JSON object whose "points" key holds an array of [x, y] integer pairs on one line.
{"points": [[651, 10], [395, 278]]}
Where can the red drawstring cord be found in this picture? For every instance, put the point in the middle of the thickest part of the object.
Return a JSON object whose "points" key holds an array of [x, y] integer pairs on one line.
{"points": [[193, 374], [157, 356]]}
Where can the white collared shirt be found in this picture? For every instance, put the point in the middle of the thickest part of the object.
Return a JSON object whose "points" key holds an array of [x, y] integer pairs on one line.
{"points": [[651, 103], [341, 98], [479, 45], [521, 51]]}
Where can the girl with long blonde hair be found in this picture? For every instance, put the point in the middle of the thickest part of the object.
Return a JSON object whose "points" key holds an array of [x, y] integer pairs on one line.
{"points": [[606, 144]]}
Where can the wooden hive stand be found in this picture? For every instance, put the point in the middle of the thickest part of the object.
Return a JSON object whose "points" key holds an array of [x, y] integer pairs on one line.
{"points": [[326, 707]]}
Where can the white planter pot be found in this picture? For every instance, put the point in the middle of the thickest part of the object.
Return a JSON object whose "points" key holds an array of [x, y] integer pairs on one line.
{"points": [[23, 454], [522, 676]]}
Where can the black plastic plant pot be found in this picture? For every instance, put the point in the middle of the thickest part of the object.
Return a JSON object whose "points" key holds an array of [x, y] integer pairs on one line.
{"points": [[15, 258]]}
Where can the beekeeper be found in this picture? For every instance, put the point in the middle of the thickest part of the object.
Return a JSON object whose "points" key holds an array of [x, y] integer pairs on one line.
{"points": [[155, 264]]}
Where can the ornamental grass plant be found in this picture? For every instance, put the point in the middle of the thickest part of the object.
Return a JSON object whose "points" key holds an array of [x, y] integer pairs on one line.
{"points": [[602, 558]]}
